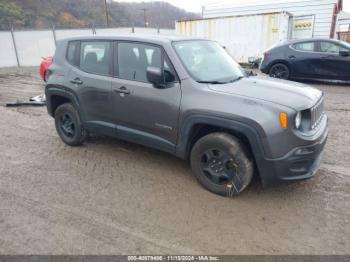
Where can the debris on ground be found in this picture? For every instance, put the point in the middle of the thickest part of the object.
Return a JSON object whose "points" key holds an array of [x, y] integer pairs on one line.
{"points": [[39, 100]]}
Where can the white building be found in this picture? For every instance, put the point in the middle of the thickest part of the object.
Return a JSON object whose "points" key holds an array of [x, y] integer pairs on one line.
{"points": [[343, 26], [343, 22], [311, 18], [243, 36]]}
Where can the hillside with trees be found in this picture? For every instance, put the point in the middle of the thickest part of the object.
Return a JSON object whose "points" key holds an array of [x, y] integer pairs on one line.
{"points": [[40, 14]]}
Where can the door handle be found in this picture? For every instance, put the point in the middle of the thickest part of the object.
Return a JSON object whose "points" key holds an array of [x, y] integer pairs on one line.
{"points": [[292, 57], [76, 81], [122, 90]]}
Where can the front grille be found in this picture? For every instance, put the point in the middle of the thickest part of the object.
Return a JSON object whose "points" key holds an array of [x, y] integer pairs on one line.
{"points": [[317, 113]]}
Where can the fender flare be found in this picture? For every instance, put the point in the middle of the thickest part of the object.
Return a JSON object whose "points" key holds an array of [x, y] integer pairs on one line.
{"points": [[52, 90], [248, 128]]}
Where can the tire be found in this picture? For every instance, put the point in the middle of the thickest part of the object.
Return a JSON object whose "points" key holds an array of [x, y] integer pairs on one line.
{"points": [[68, 125], [45, 76], [221, 164], [279, 71]]}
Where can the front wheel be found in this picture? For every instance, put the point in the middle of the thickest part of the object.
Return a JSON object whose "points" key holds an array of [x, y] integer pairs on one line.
{"points": [[279, 71], [46, 76], [221, 164]]}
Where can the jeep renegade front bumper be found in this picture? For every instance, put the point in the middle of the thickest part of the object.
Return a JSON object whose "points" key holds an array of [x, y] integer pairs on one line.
{"points": [[300, 163]]}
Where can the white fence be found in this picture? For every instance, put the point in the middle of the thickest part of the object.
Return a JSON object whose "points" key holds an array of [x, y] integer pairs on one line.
{"points": [[25, 48]]}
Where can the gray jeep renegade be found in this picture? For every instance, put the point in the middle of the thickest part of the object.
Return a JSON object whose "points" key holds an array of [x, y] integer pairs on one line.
{"points": [[189, 98]]}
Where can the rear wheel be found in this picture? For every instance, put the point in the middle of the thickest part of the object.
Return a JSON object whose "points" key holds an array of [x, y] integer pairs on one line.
{"points": [[279, 71], [68, 125], [221, 164]]}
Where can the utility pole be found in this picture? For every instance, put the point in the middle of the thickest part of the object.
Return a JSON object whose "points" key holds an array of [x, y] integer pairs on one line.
{"points": [[106, 11], [145, 23]]}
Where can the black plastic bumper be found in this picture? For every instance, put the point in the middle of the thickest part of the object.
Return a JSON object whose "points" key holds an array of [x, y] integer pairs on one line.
{"points": [[300, 163]]}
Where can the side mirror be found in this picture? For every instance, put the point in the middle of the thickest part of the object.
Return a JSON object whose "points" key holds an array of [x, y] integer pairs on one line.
{"points": [[155, 76], [344, 53]]}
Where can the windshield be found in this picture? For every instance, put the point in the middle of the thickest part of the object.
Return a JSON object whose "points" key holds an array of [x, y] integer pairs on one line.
{"points": [[207, 61]]}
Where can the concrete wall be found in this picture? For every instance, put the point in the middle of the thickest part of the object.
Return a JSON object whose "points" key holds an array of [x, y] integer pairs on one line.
{"points": [[7, 51], [32, 45]]}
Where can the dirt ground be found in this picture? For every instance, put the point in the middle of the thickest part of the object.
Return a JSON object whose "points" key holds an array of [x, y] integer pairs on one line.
{"points": [[112, 197]]}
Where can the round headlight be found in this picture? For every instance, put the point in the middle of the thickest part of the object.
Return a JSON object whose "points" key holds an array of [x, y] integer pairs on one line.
{"points": [[298, 120]]}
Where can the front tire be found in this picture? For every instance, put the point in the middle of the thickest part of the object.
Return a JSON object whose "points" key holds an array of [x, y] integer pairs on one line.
{"points": [[68, 125], [221, 164], [280, 71], [45, 76]]}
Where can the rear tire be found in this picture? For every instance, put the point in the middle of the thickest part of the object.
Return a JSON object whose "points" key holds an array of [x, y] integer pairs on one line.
{"points": [[221, 164], [68, 125], [280, 71]]}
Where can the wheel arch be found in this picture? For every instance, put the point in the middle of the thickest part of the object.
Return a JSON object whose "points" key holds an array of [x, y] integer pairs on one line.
{"points": [[280, 61], [197, 126], [200, 130], [56, 96]]}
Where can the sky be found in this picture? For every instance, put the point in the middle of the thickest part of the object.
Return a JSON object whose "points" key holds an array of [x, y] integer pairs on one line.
{"points": [[196, 5]]}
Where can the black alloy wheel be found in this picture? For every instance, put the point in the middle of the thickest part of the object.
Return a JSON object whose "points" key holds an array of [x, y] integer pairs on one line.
{"points": [[222, 164], [279, 71], [68, 125], [218, 166]]}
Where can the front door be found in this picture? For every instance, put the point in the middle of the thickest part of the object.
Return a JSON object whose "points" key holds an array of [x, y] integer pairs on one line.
{"points": [[144, 113], [333, 64]]}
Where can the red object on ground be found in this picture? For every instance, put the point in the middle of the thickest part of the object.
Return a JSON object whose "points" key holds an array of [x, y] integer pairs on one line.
{"points": [[44, 65]]}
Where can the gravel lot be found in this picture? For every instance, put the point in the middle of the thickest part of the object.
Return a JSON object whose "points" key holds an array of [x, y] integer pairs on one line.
{"points": [[112, 197]]}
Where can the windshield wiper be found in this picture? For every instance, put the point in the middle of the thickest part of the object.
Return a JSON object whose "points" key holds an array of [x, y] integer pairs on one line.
{"points": [[212, 82], [236, 79], [215, 82]]}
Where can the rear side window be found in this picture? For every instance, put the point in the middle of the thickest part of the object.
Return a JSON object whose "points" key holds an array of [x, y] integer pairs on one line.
{"points": [[134, 58], [306, 46], [95, 57], [71, 52]]}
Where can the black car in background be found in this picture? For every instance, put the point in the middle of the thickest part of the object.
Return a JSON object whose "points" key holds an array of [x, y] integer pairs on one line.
{"points": [[325, 59]]}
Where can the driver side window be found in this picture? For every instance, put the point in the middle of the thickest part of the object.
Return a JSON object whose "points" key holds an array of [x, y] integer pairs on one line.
{"points": [[132, 60], [329, 47]]}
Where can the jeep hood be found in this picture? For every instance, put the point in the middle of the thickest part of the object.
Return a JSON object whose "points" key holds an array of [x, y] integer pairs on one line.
{"points": [[287, 93]]}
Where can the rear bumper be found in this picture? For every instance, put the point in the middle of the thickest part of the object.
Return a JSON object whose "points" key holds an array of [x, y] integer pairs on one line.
{"points": [[299, 164], [263, 67]]}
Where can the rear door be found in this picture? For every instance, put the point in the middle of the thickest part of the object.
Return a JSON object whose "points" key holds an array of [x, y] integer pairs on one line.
{"points": [[333, 65], [92, 78], [144, 113], [304, 60]]}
